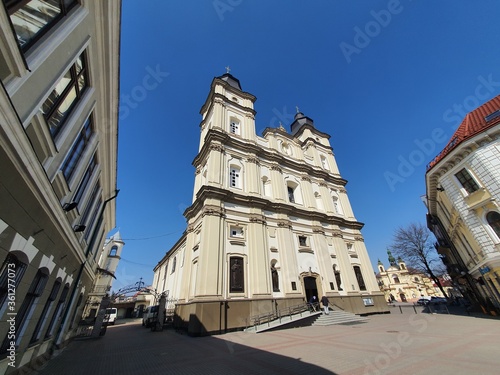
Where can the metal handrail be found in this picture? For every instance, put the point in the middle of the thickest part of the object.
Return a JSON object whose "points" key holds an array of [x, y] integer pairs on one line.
{"points": [[270, 316]]}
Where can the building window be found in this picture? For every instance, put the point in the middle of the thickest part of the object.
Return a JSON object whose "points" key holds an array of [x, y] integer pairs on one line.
{"points": [[303, 241], [91, 208], [416, 279], [493, 219], [57, 312], [13, 271], [236, 277], [28, 305], [332, 286], [234, 127], [359, 277], [77, 150], [294, 285], [236, 232], [234, 177], [113, 251], [32, 19], [395, 278], [467, 181], [65, 95], [46, 309], [174, 264], [291, 196], [85, 180]]}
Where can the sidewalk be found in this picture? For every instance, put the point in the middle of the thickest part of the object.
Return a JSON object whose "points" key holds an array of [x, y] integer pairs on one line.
{"points": [[386, 344]]}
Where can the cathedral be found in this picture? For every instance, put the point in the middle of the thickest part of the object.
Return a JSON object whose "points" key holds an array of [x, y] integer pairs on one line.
{"points": [[270, 224]]}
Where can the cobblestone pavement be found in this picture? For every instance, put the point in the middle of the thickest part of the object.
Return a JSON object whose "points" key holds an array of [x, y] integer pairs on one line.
{"points": [[394, 343]]}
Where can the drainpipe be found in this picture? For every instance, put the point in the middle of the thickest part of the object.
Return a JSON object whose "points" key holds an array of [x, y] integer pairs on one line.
{"points": [[57, 339]]}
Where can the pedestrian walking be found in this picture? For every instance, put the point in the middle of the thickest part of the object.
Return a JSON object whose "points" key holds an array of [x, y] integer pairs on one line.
{"points": [[313, 302], [324, 302]]}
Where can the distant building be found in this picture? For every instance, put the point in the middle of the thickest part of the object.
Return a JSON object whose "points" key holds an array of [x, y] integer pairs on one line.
{"points": [[463, 201], [58, 160], [403, 284], [270, 224], [106, 268]]}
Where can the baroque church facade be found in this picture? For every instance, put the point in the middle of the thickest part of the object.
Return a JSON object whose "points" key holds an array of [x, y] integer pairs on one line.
{"points": [[270, 224], [402, 284]]}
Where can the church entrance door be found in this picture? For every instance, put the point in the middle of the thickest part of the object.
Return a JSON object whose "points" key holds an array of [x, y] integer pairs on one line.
{"points": [[310, 287]]}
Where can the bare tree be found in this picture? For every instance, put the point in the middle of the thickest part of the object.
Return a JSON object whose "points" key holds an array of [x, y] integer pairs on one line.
{"points": [[415, 246]]}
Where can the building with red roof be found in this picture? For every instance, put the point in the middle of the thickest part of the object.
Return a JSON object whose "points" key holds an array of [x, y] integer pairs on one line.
{"points": [[462, 197]]}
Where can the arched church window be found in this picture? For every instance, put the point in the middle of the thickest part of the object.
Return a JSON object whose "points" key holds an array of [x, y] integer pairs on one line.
{"points": [[395, 278], [359, 277], [234, 176], [113, 251], [174, 263], [493, 219], [234, 126], [291, 193]]}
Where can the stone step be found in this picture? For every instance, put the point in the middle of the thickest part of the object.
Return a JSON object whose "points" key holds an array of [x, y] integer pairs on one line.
{"points": [[338, 317]]}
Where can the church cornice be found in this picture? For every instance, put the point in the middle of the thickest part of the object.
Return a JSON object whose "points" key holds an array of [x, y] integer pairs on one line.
{"points": [[219, 137], [260, 219], [213, 96], [211, 192]]}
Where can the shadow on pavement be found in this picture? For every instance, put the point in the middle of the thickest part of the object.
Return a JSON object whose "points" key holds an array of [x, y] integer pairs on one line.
{"points": [[129, 348]]}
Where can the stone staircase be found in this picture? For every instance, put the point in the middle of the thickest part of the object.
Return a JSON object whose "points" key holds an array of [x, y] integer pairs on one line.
{"points": [[304, 318], [338, 317]]}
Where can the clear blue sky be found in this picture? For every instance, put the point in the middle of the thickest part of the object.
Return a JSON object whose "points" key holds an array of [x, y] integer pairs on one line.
{"points": [[388, 80]]}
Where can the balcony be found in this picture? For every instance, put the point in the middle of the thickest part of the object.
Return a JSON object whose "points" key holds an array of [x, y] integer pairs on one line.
{"points": [[478, 198]]}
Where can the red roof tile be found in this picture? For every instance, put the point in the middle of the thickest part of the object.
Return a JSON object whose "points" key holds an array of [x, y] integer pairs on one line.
{"points": [[473, 124]]}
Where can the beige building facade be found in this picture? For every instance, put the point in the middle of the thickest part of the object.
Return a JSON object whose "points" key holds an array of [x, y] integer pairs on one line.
{"points": [[270, 224], [58, 149], [463, 195]]}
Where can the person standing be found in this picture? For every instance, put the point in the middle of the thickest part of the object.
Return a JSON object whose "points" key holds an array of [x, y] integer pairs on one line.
{"points": [[325, 302]]}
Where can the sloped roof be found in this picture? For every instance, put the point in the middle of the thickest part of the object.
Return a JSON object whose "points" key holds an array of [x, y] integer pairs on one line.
{"points": [[475, 122], [233, 81]]}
